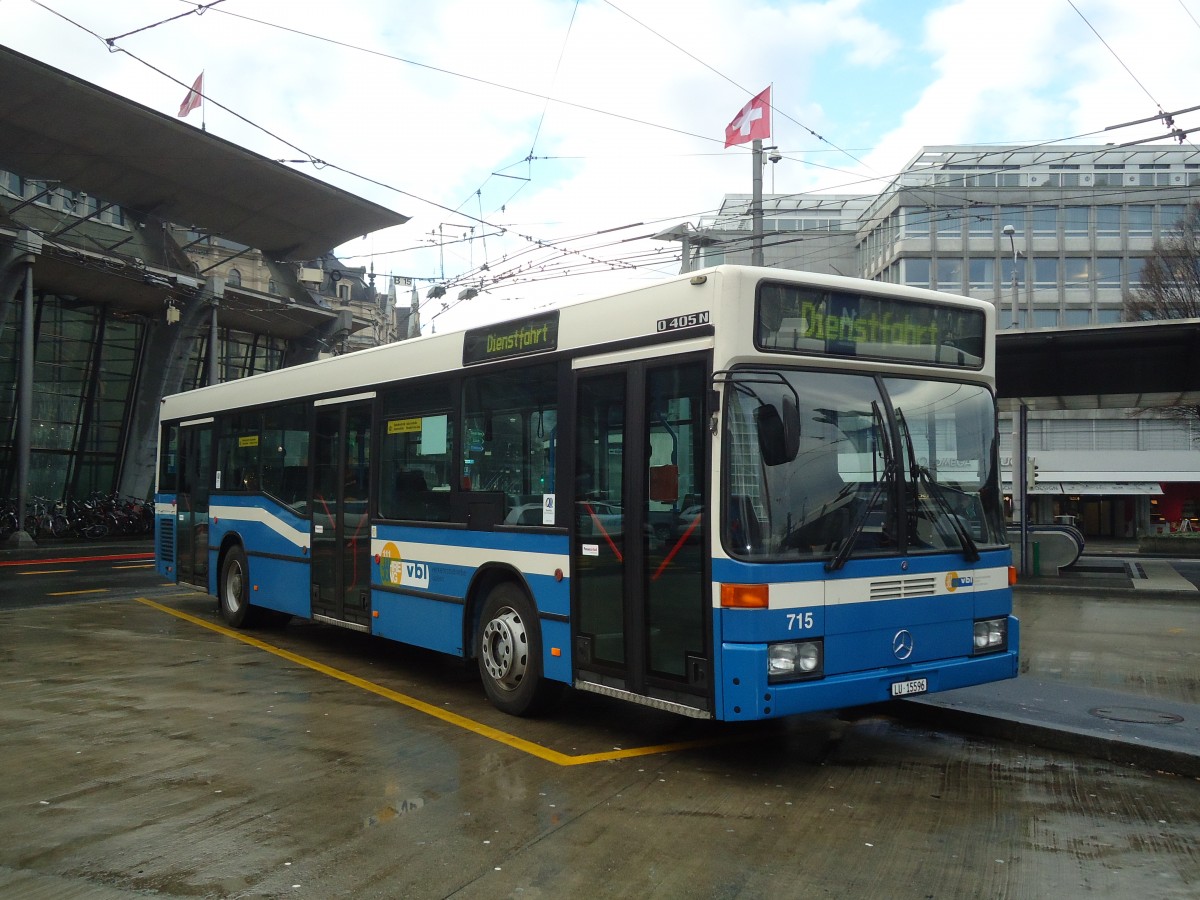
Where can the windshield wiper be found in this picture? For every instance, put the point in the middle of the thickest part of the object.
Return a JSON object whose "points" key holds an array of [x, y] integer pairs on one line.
{"points": [[888, 477], [919, 473]]}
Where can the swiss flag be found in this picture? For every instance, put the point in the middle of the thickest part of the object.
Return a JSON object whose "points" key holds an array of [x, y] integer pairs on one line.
{"points": [[752, 123], [194, 97]]}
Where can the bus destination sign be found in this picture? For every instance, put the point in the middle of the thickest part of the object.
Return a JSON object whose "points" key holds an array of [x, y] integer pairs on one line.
{"points": [[522, 337], [812, 321]]}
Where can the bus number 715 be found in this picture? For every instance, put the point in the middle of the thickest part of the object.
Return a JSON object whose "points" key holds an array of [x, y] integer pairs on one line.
{"points": [[800, 621]]}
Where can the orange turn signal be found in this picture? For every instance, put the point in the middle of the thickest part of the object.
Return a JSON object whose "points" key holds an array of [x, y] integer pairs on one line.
{"points": [[745, 596], [1012, 575]]}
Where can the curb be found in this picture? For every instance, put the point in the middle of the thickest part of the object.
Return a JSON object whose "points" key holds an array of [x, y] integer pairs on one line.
{"points": [[1111, 748]]}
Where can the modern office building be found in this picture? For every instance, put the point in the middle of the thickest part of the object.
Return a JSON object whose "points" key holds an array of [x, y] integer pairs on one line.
{"points": [[1054, 237]]}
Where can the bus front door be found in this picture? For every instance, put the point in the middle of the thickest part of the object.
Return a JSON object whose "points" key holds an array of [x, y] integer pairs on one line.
{"points": [[642, 602], [341, 534], [195, 484]]}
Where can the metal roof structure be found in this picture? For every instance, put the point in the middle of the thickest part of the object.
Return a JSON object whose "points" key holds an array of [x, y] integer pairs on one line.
{"points": [[96, 141], [1133, 364]]}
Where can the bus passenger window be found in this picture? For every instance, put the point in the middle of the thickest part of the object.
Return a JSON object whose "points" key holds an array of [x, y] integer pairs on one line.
{"points": [[509, 438], [238, 443], [415, 446]]}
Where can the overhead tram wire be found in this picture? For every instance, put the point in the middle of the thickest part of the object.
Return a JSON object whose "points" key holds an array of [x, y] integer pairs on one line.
{"points": [[199, 10], [528, 93], [315, 161], [612, 264], [1167, 118], [1145, 90]]}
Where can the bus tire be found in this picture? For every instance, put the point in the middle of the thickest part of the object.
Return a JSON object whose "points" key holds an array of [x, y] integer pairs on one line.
{"points": [[234, 589], [508, 646]]}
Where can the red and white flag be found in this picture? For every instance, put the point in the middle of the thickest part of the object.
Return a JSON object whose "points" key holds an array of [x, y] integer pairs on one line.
{"points": [[752, 123], [194, 97]]}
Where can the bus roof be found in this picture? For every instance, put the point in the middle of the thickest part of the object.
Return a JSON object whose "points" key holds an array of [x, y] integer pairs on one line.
{"points": [[592, 324]]}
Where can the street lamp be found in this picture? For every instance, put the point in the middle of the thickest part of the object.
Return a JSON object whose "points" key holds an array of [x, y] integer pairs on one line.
{"points": [[1011, 232]]}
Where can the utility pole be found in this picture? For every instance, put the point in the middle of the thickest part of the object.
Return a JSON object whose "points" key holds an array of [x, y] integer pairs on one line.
{"points": [[756, 212]]}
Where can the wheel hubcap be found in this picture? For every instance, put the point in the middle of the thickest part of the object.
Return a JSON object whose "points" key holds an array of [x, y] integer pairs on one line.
{"points": [[233, 587], [505, 649]]}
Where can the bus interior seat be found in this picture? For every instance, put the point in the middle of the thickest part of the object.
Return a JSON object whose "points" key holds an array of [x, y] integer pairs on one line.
{"points": [[411, 492]]}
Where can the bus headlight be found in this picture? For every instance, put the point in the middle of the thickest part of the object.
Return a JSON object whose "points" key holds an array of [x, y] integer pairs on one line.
{"points": [[794, 659], [991, 635]]}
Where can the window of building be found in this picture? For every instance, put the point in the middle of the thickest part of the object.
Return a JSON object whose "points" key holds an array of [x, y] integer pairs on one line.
{"points": [[1045, 221], [1076, 271], [1164, 434], [982, 272], [949, 275], [1116, 434], [1137, 266], [234, 278], [1141, 220], [1108, 221], [85, 362], [916, 221], [1045, 273], [1077, 317], [1108, 272], [916, 272], [1075, 221], [949, 223], [1014, 216], [1045, 318], [981, 223], [1067, 434], [1108, 316], [1169, 217]]}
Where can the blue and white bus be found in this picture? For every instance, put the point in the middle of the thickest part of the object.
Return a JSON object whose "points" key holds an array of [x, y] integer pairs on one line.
{"points": [[739, 494]]}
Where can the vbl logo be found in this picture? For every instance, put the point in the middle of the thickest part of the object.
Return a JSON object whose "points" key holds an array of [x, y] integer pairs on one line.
{"points": [[416, 574]]}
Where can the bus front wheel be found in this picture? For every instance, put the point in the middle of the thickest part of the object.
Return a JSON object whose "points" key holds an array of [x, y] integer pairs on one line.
{"points": [[234, 588], [509, 650]]}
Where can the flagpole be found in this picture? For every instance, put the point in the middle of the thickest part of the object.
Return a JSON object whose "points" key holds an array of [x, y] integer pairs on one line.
{"points": [[756, 211], [203, 123]]}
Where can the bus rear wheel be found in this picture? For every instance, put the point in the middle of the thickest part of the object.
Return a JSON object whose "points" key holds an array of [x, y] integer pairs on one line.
{"points": [[234, 589], [509, 649]]}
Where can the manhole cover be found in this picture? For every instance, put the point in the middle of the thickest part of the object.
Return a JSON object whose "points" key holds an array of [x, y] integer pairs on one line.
{"points": [[1136, 714]]}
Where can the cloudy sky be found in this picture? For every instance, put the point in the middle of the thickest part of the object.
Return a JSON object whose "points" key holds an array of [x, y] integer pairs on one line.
{"points": [[555, 135]]}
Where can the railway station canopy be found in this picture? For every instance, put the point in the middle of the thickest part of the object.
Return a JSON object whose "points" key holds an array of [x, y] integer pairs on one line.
{"points": [[68, 130], [1130, 365]]}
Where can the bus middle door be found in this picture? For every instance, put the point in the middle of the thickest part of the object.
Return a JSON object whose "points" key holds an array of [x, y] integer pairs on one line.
{"points": [[341, 531]]}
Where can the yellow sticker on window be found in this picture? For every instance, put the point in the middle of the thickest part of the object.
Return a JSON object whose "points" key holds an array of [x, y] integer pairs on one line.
{"points": [[248, 441], [403, 426]]}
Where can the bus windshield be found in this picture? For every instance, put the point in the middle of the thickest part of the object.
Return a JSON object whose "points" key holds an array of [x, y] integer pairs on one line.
{"points": [[828, 465]]}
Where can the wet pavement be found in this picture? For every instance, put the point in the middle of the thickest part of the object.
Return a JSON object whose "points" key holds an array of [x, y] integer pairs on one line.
{"points": [[1101, 679], [1129, 691], [150, 751]]}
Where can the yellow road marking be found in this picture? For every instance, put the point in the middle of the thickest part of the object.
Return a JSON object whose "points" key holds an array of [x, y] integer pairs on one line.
{"points": [[47, 572], [73, 593], [142, 566], [494, 734]]}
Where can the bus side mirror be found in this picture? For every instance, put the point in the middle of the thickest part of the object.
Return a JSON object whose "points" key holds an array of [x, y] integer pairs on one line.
{"points": [[778, 432]]}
